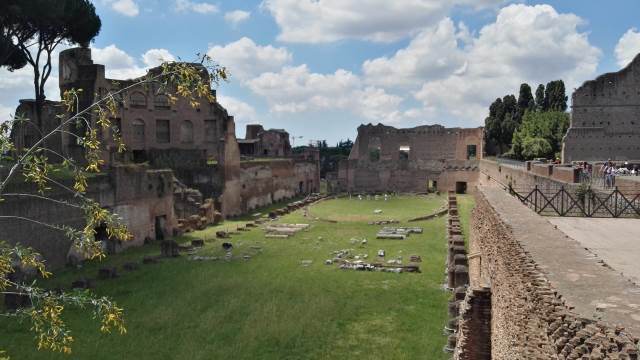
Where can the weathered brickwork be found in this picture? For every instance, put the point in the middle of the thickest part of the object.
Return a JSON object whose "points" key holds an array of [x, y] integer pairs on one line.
{"points": [[384, 158], [529, 319], [605, 119]]}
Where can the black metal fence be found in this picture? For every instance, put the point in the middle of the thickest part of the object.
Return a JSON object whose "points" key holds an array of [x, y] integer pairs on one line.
{"points": [[581, 202]]}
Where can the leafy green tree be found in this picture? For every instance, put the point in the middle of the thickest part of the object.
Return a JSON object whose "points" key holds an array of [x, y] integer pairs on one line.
{"points": [[555, 97], [550, 126], [525, 101], [492, 127], [540, 99], [35, 28], [536, 147]]}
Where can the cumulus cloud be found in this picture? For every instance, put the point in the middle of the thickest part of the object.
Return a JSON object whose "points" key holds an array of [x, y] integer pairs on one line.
{"points": [[317, 21], [533, 44], [296, 90], [155, 57], [433, 53], [126, 7], [236, 17], [628, 47], [242, 112], [197, 7], [118, 64], [245, 59]]}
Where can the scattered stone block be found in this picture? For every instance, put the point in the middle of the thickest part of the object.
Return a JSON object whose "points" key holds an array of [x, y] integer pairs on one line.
{"points": [[107, 273], [169, 248], [197, 243], [222, 234], [83, 283], [130, 266], [149, 260]]}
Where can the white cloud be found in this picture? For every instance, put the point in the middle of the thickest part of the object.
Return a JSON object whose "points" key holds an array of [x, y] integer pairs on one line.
{"points": [[533, 44], [155, 57], [628, 47], [240, 110], [433, 53], [245, 59], [126, 7], [5, 113], [198, 7], [236, 17], [297, 90], [118, 64], [316, 21]]}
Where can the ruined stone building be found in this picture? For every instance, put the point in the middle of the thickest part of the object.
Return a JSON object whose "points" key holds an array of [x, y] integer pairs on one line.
{"points": [[259, 142], [384, 158], [605, 118], [198, 146]]}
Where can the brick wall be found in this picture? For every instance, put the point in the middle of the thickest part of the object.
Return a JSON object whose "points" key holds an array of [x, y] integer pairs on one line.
{"points": [[529, 319]]}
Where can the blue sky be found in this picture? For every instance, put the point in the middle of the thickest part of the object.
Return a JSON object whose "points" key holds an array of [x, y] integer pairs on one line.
{"points": [[319, 68]]}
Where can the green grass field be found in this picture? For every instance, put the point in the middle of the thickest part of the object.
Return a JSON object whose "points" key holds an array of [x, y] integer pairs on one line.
{"points": [[271, 306]]}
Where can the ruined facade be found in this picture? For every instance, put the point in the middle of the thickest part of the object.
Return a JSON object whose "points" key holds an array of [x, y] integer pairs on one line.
{"points": [[149, 124], [384, 158], [143, 197], [605, 119], [259, 142]]}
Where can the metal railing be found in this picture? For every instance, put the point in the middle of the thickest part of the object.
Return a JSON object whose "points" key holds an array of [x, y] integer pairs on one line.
{"points": [[581, 202]]}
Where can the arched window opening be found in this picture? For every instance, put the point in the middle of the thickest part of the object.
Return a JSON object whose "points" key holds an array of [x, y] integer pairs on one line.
{"points": [[138, 99]]}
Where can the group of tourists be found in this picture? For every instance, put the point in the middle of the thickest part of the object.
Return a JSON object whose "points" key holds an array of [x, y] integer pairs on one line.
{"points": [[607, 172]]}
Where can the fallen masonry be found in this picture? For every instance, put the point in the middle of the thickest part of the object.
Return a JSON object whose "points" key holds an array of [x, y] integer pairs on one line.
{"points": [[364, 266], [397, 233], [283, 230], [384, 222]]}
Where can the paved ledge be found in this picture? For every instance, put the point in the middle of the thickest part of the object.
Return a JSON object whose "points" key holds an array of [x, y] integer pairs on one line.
{"points": [[615, 241], [584, 281]]}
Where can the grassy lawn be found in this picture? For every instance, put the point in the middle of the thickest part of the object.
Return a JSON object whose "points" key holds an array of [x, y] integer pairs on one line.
{"points": [[271, 306]]}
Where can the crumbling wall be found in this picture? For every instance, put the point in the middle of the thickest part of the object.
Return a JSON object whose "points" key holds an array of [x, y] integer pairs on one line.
{"points": [[529, 319], [265, 182], [385, 159], [138, 195], [605, 118]]}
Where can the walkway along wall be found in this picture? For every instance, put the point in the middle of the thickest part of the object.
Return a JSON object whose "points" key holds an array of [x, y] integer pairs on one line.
{"points": [[534, 313]]}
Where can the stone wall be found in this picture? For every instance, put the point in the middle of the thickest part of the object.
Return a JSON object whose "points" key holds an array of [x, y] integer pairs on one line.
{"points": [[135, 193], [529, 317], [545, 176], [265, 182], [385, 159], [605, 119]]}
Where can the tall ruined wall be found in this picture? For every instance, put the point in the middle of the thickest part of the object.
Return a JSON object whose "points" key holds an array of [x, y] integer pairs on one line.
{"points": [[384, 158], [605, 119], [529, 318], [266, 182]]}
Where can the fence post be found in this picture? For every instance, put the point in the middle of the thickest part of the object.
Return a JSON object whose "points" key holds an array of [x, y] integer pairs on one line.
{"points": [[562, 201], [535, 198], [615, 202]]}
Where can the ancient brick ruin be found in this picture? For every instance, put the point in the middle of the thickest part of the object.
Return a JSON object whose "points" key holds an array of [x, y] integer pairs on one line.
{"points": [[384, 158], [259, 142], [605, 120], [169, 148]]}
